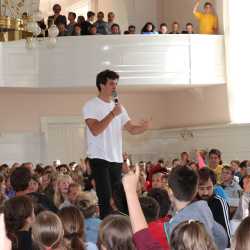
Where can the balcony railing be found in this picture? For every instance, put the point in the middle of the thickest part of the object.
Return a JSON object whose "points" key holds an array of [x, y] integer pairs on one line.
{"points": [[166, 60]]}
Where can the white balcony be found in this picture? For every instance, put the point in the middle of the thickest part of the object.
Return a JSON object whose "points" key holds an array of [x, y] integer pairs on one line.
{"points": [[142, 60]]}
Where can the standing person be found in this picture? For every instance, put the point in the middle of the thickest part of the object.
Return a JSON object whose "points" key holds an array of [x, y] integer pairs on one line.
{"points": [[57, 17], [105, 120], [87, 24], [215, 163], [101, 25], [111, 19], [208, 20]]}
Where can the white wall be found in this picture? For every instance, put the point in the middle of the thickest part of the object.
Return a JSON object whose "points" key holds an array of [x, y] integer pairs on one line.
{"points": [[136, 12], [169, 61], [63, 138]]}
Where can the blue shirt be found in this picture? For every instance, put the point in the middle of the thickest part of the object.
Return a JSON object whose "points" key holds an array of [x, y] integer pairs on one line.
{"points": [[91, 229]]}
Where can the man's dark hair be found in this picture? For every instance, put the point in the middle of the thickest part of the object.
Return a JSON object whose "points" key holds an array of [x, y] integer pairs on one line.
{"points": [[150, 208], [90, 14], [115, 25], [243, 164], [161, 196], [73, 14], [207, 4], [104, 76], [163, 25], [56, 5], [100, 13], [205, 174], [20, 179], [189, 24], [214, 152], [183, 181]]}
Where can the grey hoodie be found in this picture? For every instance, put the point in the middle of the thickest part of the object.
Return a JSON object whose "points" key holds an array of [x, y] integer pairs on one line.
{"points": [[200, 211]]}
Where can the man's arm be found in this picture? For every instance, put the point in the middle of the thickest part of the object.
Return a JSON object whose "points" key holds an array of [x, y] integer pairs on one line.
{"points": [[97, 127], [135, 129], [196, 5]]}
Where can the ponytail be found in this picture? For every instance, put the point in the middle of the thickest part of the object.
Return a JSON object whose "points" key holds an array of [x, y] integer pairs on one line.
{"points": [[77, 242]]}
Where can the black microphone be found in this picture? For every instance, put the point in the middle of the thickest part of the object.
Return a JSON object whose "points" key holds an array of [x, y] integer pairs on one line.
{"points": [[115, 97]]}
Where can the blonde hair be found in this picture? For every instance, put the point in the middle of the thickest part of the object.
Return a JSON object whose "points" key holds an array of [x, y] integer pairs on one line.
{"points": [[191, 235], [241, 240], [58, 197], [47, 231]]}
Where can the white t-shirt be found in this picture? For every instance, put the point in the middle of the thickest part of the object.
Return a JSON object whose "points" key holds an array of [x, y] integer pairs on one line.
{"points": [[108, 144]]}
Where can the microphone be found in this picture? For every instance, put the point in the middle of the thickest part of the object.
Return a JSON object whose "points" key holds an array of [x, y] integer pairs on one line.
{"points": [[115, 97]]}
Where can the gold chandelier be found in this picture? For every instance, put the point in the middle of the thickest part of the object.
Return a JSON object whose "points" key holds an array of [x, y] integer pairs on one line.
{"points": [[12, 27]]}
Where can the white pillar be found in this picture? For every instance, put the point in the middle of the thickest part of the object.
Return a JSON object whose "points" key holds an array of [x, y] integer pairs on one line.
{"points": [[237, 40]]}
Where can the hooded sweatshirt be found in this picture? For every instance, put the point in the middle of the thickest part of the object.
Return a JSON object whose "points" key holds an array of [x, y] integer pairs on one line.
{"points": [[199, 211]]}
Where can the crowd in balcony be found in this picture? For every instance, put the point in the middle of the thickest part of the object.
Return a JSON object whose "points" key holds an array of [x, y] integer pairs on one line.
{"points": [[189, 203], [97, 25]]}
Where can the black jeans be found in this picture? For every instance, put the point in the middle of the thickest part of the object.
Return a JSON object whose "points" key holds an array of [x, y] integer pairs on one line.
{"points": [[106, 174]]}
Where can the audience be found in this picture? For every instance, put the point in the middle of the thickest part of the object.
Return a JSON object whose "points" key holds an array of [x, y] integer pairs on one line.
{"points": [[208, 23], [183, 183], [176, 208]]}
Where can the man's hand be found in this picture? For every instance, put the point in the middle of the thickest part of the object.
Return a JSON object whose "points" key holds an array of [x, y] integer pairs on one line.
{"points": [[130, 180], [138, 128], [145, 124], [117, 109], [196, 5]]}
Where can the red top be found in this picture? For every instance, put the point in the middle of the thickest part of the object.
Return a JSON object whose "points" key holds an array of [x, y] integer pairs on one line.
{"points": [[156, 229], [144, 241]]}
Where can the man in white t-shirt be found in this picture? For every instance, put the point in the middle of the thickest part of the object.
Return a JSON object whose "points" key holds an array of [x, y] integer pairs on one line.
{"points": [[105, 121]]}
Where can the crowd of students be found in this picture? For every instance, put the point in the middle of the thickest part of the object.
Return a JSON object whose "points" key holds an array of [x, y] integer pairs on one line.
{"points": [[208, 24], [191, 205]]}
